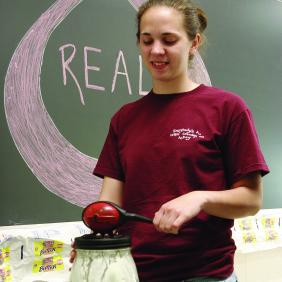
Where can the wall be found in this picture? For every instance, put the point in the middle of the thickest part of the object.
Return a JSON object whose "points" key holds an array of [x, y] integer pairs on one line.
{"points": [[89, 68]]}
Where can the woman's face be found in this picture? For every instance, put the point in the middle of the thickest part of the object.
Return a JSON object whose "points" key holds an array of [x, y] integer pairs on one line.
{"points": [[164, 44]]}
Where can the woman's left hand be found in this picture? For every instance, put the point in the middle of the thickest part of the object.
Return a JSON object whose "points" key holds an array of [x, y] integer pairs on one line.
{"points": [[173, 214]]}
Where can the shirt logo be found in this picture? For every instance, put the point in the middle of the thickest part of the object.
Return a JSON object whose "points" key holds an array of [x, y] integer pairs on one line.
{"points": [[186, 134]]}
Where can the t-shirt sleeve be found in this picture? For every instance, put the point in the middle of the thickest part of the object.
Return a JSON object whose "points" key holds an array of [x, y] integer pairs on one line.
{"points": [[109, 161], [243, 154]]}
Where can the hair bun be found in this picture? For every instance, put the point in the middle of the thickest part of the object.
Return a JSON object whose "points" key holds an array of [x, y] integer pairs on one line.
{"points": [[203, 19]]}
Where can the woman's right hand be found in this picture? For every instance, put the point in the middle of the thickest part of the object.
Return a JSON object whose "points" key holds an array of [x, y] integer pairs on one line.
{"points": [[72, 253]]}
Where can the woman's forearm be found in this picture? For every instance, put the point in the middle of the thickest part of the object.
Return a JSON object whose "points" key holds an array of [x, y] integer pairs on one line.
{"points": [[234, 203], [112, 190], [243, 199]]}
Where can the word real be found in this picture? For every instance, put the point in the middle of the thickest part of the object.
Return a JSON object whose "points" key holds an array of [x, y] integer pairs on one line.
{"points": [[120, 71]]}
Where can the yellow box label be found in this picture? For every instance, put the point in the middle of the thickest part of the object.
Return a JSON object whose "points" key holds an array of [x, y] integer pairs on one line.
{"points": [[5, 255], [55, 263], [5, 274], [249, 237], [47, 247], [268, 222], [271, 235], [246, 224]]}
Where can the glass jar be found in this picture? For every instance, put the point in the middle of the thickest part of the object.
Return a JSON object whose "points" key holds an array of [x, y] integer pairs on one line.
{"points": [[103, 259]]}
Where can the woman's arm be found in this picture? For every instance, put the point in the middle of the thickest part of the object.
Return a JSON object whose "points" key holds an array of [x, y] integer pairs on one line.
{"points": [[243, 199], [111, 190]]}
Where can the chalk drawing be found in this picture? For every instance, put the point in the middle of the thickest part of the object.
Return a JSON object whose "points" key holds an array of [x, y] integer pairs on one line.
{"points": [[125, 73], [57, 164], [93, 68], [65, 68]]}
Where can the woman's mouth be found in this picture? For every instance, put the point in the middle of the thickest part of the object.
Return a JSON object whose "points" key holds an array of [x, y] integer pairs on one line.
{"points": [[159, 65]]}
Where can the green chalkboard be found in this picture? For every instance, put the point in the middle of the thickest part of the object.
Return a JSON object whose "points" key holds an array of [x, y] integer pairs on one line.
{"points": [[244, 55], [90, 67]]}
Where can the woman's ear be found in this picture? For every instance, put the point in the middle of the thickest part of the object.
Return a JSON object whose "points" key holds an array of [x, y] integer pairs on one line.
{"points": [[196, 42]]}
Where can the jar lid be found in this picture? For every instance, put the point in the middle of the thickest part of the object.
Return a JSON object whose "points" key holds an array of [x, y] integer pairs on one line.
{"points": [[94, 242]]}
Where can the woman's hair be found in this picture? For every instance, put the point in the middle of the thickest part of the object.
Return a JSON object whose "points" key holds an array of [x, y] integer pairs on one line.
{"points": [[194, 18]]}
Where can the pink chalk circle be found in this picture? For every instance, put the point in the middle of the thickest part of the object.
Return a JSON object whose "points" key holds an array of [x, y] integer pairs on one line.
{"points": [[57, 164]]}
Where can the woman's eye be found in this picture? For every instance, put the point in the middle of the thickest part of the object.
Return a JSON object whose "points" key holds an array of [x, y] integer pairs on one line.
{"points": [[147, 42], [169, 42]]}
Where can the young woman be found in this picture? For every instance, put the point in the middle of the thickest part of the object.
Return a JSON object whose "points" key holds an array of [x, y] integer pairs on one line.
{"points": [[186, 155]]}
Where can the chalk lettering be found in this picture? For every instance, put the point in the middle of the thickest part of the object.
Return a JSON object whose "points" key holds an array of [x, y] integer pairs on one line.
{"points": [[94, 68], [121, 57], [120, 63], [65, 66], [141, 92]]}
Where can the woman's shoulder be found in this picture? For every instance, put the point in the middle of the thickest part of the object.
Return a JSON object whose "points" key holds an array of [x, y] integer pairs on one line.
{"points": [[223, 97]]}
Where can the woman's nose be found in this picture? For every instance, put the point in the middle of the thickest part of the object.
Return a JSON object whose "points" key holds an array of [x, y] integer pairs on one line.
{"points": [[157, 48]]}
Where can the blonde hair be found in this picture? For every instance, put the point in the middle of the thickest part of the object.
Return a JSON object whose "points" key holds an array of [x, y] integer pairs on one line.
{"points": [[194, 18]]}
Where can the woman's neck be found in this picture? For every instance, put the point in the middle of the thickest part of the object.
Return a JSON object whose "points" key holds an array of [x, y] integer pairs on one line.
{"points": [[169, 87]]}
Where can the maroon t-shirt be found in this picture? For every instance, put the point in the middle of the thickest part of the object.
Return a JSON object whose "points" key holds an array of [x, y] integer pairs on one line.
{"points": [[164, 146]]}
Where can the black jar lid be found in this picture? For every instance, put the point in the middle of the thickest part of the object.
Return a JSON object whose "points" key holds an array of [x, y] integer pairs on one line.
{"points": [[94, 242]]}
